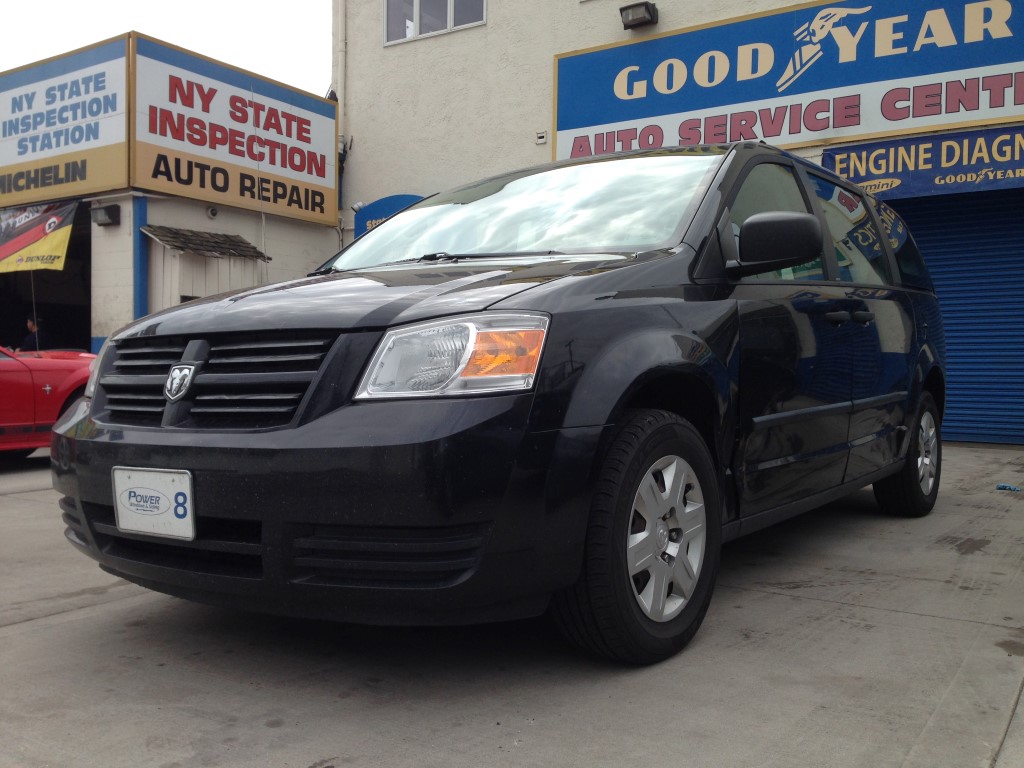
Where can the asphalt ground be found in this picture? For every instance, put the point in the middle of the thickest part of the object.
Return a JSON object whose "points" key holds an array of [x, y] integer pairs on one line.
{"points": [[841, 638]]}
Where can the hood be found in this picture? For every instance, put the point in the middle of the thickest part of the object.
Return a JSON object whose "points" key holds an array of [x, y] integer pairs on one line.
{"points": [[372, 298], [56, 354]]}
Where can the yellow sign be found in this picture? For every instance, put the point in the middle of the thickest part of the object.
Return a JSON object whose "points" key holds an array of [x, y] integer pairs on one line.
{"points": [[36, 237], [63, 126], [215, 133]]}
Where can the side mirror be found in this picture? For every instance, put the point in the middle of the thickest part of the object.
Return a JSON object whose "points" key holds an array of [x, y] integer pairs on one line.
{"points": [[776, 240]]}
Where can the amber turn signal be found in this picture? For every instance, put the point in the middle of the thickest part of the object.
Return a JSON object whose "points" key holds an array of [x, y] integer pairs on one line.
{"points": [[505, 353]]}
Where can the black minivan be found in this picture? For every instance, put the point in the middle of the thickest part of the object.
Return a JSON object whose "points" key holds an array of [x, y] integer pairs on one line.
{"points": [[560, 389]]}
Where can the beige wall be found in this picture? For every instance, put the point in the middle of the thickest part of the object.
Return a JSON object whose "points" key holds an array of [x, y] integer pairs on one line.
{"points": [[428, 114]]}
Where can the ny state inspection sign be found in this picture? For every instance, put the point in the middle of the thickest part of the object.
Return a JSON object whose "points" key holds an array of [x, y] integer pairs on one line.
{"points": [[216, 133]]}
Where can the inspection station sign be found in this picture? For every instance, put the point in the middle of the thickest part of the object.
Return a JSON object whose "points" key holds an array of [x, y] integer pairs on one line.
{"points": [[934, 165], [200, 129], [63, 126], [212, 132], [812, 74]]}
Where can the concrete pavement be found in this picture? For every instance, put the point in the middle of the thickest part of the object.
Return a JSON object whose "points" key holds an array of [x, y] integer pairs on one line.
{"points": [[841, 638]]}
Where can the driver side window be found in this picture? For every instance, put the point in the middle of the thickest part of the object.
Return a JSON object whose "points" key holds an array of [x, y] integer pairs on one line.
{"points": [[770, 187]]}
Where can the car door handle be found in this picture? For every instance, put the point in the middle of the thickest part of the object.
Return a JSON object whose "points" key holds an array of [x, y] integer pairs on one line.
{"points": [[863, 317], [838, 318]]}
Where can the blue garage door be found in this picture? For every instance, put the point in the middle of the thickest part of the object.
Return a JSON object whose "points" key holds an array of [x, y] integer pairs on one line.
{"points": [[974, 247]]}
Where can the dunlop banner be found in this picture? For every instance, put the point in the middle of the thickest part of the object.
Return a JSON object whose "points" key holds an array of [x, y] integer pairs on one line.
{"points": [[36, 237]]}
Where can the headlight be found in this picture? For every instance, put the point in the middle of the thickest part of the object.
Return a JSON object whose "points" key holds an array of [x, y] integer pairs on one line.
{"points": [[94, 371], [495, 352]]}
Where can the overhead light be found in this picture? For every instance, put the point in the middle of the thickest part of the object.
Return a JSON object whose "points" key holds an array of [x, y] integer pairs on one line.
{"points": [[638, 15], [106, 216]]}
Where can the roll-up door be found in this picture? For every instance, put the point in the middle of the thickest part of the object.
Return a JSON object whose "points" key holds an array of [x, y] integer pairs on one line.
{"points": [[974, 247]]}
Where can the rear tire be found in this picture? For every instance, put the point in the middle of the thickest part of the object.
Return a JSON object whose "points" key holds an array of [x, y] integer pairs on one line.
{"points": [[652, 546], [913, 490]]}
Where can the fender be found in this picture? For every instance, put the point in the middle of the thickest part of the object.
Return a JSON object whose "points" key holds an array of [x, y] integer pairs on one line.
{"points": [[612, 379]]}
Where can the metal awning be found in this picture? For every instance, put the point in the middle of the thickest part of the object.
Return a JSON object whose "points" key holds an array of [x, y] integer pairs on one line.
{"points": [[217, 245]]}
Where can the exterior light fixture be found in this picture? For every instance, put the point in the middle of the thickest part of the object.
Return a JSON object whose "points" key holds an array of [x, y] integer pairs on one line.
{"points": [[106, 216], [638, 15]]}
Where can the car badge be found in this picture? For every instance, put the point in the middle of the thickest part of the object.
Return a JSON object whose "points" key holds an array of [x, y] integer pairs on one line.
{"points": [[178, 381]]}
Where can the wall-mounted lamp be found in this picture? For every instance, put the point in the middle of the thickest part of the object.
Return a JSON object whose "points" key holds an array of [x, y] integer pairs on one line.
{"points": [[106, 216], [638, 15], [357, 207]]}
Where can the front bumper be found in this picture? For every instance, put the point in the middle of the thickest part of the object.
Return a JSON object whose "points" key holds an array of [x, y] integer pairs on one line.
{"points": [[399, 512]]}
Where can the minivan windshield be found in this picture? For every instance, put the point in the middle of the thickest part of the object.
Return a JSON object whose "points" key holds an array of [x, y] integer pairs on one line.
{"points": [[622, 204]]}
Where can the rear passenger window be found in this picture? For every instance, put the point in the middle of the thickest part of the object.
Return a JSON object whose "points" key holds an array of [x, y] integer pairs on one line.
{"points": [[909, 260], [770, 187], [858, 247]]}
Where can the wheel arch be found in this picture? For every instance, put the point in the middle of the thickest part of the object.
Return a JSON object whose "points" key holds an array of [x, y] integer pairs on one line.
{"points": [[684, 392], [672, 372], [71, 397], [657, 368], [935, 384]]}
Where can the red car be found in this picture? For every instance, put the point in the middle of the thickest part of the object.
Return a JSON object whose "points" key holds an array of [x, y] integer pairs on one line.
{"points": [[35, 388]]}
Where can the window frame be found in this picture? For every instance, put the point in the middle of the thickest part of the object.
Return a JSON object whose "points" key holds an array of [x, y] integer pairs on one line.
{"points": [[731, 252], [416, 23], [888, 281], [899, 275]]}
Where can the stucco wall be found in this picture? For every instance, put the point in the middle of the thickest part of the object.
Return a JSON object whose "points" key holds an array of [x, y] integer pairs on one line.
{"points": [[430, 113]]}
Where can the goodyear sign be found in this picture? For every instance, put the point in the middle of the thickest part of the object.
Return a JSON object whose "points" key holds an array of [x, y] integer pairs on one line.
{"points": [[215, 133], [934, 165], [811, 74], [63, 126]]}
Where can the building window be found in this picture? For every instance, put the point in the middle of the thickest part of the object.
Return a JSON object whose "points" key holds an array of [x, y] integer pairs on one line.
{"points": [[407, 19]]}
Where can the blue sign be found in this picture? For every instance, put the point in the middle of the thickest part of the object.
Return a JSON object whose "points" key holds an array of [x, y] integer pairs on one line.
{"points": [[798, 77], [934, 165], [374, 213]]}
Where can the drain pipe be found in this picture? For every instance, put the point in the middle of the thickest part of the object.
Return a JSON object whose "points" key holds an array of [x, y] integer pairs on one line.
{"points": [[339, 63], [140, 257]]}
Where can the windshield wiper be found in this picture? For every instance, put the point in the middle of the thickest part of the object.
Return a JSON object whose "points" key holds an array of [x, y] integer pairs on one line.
{"points": [[445, 256], [438, 256], [322, 271]]}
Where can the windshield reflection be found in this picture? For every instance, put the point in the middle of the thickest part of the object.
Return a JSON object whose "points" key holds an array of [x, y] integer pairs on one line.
{"points": [[622, 204]]}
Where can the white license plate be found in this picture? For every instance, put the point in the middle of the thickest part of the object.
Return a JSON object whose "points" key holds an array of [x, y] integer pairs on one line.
{"points": [[154, 501]]}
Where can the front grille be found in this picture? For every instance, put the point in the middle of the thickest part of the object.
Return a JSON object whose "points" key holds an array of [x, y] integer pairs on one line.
{"points": [[385, 557], [135, 388], [222, 547], [242, 381]]}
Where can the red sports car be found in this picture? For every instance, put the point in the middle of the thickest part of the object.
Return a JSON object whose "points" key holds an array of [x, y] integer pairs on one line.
{"points": [[35, 388]]}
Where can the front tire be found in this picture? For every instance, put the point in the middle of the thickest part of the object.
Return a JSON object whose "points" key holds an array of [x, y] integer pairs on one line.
{"points": [[652, 547], [912, 492]]}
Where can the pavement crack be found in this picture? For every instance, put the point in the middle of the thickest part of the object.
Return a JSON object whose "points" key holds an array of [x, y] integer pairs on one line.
{"points": [[1009, 725], [847, 603]]}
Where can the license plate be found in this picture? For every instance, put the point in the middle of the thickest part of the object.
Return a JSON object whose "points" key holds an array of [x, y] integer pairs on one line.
{"points": [[154, 501]]}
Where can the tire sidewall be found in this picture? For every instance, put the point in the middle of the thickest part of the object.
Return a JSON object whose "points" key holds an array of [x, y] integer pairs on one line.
{"points": [[677, 438], [921, 500]]}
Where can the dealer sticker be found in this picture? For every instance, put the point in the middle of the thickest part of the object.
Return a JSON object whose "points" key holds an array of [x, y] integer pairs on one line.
{"points": [[157, 502]]}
